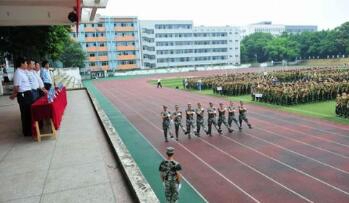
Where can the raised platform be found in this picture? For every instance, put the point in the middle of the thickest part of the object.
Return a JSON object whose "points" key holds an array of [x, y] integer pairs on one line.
{"points": [[77, 167]]}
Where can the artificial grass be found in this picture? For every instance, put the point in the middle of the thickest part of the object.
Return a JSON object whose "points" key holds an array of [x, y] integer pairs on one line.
{"points": [[323, 110]]}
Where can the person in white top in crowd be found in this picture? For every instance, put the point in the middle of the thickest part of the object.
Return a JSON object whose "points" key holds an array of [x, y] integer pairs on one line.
{"points": [[42, 90], [45, 75], [22, 90], [33, 80]]}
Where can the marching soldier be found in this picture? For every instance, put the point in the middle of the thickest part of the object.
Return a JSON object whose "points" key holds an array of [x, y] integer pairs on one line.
{"points": [[231, 115], [242, 116], [199, 119], [177, 117], [211, 120], [189, 120], [166, 121], [222, 119], [170, 176]]}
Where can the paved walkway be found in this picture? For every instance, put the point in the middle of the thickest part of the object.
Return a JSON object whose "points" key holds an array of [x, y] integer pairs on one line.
{"points": [[77, 167]]}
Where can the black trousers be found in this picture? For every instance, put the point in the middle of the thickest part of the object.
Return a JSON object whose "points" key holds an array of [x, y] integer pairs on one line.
{"points": [[25, 99], [47, 86]]}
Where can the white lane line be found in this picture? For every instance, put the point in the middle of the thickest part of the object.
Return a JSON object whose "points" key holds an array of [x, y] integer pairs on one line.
{"points": [[306, 134], [298, 170], [257, 171], [151, 144], [204, 162]]}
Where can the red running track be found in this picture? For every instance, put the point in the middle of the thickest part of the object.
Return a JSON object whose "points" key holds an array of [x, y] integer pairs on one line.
{"points": [[285, 157]]}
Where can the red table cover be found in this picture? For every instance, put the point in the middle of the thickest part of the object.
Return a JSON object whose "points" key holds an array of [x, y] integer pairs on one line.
{"points": [[41, 109]]}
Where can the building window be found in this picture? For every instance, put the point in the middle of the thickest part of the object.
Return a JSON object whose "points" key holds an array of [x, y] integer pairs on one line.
{"points": [[99, 25], [104, 63], [93, 64], [92, 55]]}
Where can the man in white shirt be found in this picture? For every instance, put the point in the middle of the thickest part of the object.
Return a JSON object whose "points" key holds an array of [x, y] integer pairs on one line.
{"points": [[22, 90], [45, 75], [42, 90], [36, 82]]}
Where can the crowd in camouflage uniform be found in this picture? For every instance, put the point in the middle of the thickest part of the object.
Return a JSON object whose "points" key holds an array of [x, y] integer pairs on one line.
{"points": [[342, 105], [285, 87]]}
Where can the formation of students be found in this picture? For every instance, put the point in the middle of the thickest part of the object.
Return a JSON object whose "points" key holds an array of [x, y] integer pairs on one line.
{"points": [[226, 116], [30, 82]]}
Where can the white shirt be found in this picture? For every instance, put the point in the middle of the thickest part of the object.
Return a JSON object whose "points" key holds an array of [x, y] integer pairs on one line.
{"points": [[21, 80], [37, 75], [45, 75], [32, 78]]}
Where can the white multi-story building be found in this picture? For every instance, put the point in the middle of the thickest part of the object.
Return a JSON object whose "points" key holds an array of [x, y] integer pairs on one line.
{"points": [[180, 44], [275, 29]]}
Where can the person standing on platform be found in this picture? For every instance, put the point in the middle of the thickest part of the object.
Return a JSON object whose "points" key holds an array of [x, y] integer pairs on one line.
{"points": [[222, 119], [177, 117], [22, 90], [189, 120], [170, 176], [243, 116], [45, 75], [212, 113], [231, 115], [42, 91], [200, 120], [166, 116], [33, 80]]}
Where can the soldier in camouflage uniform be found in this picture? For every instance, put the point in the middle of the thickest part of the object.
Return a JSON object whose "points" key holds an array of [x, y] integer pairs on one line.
{"points": [[170, 176], [338, 104], [166, 121], [221, 118], [200, 119], [243, 116], [211, 119], [177, 118], [231, 115], [189, 120]]}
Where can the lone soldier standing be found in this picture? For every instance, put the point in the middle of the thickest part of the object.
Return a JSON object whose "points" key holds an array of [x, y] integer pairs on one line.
{"points": [[177, 117], [199, 119], [170, 176], [221, 118], [159, 83], [211, 111], [242, 116], [231, 115], [165, 116], [189, 120]]}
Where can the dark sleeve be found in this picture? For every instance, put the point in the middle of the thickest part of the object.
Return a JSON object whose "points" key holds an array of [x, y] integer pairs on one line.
{"points": [[161, 166], [178, 167]]}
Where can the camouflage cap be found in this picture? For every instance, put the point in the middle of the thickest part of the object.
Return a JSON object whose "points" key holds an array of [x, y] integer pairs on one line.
{"points": [[169, 150]]}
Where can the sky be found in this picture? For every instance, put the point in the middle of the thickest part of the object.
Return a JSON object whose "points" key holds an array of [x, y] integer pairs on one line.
{"points": [[326, 14]]}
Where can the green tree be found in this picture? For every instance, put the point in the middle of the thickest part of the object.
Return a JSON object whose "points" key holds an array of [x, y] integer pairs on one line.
{"points": [[38, 42], [254, 47], [283, 48], [73, 55], [343, 37]]}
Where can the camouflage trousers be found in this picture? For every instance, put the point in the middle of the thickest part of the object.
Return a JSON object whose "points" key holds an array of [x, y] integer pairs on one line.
{"points": [[231, 119], [222, 120], [244, 118], [210, 122], [178, 125], [166, 128], [190, 126], [171, 191], [199, 124]]}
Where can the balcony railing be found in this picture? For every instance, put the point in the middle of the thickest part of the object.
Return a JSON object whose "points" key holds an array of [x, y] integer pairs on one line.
{"points": [[124, 29], [125, 38], [127, 67], [127, 57]]}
